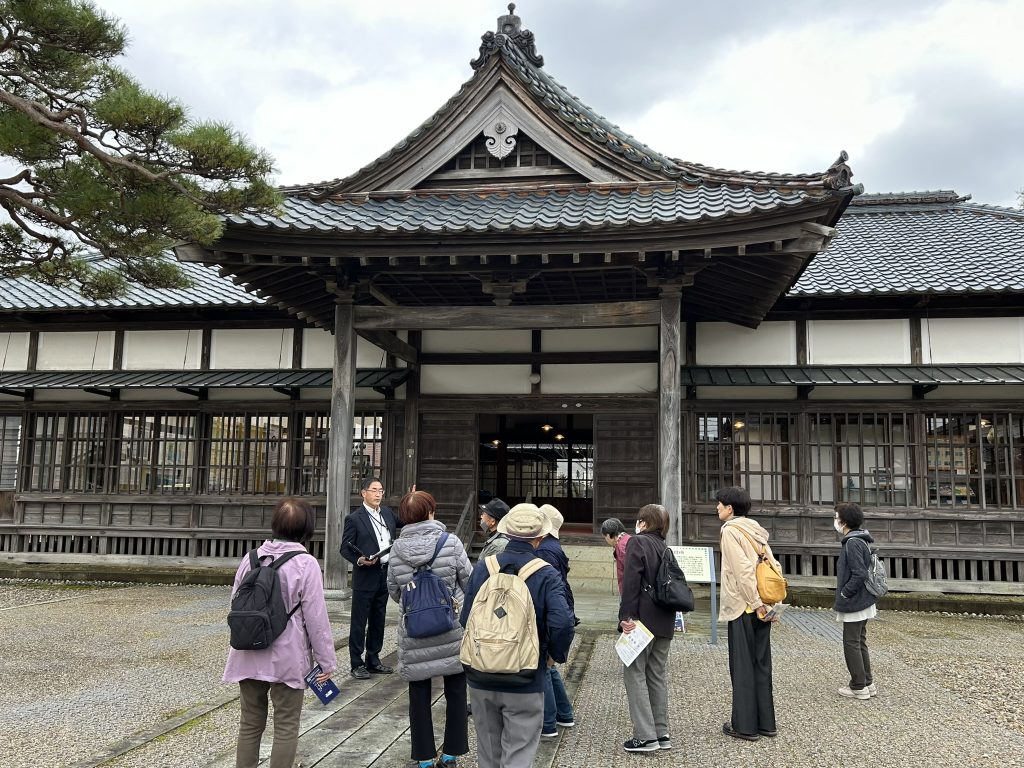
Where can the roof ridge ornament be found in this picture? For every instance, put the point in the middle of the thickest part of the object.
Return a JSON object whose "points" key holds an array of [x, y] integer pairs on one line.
{"points": [[510, 29], [839, 174]]}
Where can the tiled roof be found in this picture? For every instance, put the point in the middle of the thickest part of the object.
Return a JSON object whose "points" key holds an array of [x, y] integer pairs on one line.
{"points": [[919, 243], [587, 122], [208, 289], [558, 207]]}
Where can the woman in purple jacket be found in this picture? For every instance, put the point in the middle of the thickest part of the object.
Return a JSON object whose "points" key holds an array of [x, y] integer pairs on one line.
{"points": [[279, 671]]}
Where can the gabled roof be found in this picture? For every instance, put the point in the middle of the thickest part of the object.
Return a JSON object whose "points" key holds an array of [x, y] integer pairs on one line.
{"points": [[508, 58], [934, 242]]}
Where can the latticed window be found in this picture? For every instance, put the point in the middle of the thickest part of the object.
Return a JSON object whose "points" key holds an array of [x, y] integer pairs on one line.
{"points": [[527, 153], [10, 442], [861, 457], [248, 453], [367, 447], [752, 449], [157, 453], [974, 460], [67, 452]]}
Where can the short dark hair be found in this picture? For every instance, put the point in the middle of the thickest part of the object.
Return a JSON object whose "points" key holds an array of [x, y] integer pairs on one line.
{"points": [[735, 497], [368, 481], [850, 514], [415, 507], [655, 518], [293, 520], [612, 527]]}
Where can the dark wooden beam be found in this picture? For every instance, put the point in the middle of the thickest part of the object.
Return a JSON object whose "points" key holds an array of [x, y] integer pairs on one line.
{"points": [[199, 393], [339, 476], [916, 343], [110, 394], [920, 390], [801, 342], [391, 344], [24, 394], [291, 392], [803, 391], [610, 315], [670, 476]]}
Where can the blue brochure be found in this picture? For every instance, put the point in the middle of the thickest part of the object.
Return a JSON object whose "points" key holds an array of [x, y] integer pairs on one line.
{"points": [[326, 691]]}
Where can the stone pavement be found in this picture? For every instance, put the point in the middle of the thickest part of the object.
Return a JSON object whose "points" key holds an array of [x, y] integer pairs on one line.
{"points": [[124, 676]]}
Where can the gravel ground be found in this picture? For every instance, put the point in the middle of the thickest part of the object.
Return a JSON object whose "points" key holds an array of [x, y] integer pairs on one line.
{"points": [[84, 668]]}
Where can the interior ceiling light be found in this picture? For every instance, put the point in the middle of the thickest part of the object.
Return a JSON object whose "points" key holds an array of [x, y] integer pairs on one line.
{"points": [[739, 424], [495, 442], [559, 437], [547, 427]]}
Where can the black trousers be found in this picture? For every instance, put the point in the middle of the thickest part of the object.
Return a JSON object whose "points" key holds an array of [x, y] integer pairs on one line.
{"points": [[855, 649], [456, 718], [366, 628], [750, 668]]}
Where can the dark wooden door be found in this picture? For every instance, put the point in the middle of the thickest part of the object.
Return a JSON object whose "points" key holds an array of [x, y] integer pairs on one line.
{"points": [[625, 465], [447, 462]]}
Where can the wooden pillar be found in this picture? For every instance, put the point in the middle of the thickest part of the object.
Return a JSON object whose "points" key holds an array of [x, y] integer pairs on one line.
{"points": [[412, 417], [670, 476], [339, 476]]}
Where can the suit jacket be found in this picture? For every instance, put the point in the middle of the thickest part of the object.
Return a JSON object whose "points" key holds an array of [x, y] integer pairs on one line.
{"points": [[358, 539]]}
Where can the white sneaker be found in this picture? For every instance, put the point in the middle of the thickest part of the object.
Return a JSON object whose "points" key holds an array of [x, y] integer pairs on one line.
{"points": [[849, 693], [873, 690]]}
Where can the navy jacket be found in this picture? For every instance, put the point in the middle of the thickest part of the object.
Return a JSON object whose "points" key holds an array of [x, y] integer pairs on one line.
{"points": [[554, 619], [852, 569], [643, 557], [550, 551], [358, 538]]}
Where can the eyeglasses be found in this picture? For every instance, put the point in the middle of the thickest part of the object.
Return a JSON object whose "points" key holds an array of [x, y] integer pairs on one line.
{"points": [[374, 490]]}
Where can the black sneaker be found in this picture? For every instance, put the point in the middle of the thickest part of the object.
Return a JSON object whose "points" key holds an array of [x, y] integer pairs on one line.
{"points": [[664, 742], [639, 745]]}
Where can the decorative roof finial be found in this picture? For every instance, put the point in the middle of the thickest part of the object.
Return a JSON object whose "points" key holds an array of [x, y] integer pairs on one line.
{"points": [[510, 29]]}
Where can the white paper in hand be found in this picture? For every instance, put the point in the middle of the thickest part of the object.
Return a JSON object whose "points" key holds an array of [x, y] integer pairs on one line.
{"points": [[629, 646]]}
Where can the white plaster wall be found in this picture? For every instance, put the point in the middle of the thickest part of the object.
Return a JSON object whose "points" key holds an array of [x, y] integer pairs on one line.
{"points": [[13, 351], [973, 340], [865, 392], [76, 351], [246, 394], [600, 339], [318, 350], [475, 380], [476, 341], [746, 393], [850, 342], [624, 378], [257, 348], [162, 350], [68, 396], [728, 344]]}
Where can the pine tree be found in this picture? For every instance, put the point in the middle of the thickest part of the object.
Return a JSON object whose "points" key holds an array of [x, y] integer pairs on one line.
{"points": [[96, 164]]}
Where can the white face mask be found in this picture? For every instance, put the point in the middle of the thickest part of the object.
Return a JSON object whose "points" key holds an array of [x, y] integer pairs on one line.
{"points": [[485, 527], [637, 528], [838, 526]]}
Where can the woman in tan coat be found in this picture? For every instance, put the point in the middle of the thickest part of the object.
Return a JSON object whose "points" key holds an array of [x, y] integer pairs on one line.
{"points": [[750, 650]]}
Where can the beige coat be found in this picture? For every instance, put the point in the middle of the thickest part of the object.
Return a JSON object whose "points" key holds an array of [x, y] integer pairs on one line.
{"points": [[739, 559]]}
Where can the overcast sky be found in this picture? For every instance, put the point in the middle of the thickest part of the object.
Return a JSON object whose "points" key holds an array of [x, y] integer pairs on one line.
{"points": [[923, 95]]}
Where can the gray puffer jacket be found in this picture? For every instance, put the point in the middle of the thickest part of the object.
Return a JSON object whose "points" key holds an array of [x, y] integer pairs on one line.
{"points": [[420, 658]]}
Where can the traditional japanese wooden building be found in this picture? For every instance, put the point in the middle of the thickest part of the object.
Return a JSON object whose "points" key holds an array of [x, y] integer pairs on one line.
{"points": [[521, 300]]}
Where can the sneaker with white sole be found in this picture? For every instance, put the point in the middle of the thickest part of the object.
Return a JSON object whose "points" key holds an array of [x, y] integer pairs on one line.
{"points": [[549, 734], [873, 690], [664, 742], [640, 745], [566, 723], [849, 693]]}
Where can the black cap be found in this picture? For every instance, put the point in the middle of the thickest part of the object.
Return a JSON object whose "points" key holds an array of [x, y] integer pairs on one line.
{"points": [[496, 508]]}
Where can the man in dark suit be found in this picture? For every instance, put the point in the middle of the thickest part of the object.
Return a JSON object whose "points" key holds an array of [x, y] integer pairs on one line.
{"points": [[369, 528]]}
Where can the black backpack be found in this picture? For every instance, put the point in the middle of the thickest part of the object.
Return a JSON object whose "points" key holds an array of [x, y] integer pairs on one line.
{"points": [[670, 590], [258, 616]]}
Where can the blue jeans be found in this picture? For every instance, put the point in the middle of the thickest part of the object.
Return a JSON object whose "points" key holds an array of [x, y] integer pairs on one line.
{"points": [[557, 706]]}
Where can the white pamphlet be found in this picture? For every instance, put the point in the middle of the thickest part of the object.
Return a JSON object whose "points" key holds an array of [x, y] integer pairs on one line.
{"points": [[629, 646]]}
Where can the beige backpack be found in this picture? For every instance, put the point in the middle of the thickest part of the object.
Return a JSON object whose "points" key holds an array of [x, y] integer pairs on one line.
{"points": [[501, 646]]}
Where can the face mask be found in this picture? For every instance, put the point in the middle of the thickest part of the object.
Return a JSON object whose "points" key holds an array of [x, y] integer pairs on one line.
{"points": [[838, 526], [637, 528], [484, 527]]}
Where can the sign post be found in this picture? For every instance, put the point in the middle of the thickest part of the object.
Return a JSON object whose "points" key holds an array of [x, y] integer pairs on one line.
{"points": [[698, 563]]}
